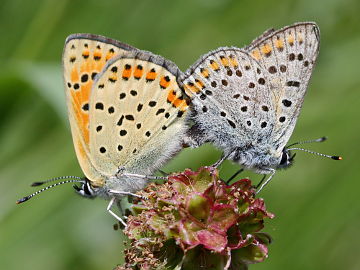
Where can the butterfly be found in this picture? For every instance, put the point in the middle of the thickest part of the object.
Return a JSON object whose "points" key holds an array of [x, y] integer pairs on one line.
{"points": [[247, 101], [127, 114]]}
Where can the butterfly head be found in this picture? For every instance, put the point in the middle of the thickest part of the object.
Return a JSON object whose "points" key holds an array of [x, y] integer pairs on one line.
{"points": [[286, 159], [86, 189]]}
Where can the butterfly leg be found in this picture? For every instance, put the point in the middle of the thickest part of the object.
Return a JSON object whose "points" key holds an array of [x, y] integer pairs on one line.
{"points": [[261, 181], [223, 158], [124, 193], [234, 175], [267, 180], [111, 203], [149, 177], [121, 172]]}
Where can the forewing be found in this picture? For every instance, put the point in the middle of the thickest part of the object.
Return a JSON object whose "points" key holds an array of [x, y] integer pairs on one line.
{"points": [[138, 114], [288, 56], [84, 57]]}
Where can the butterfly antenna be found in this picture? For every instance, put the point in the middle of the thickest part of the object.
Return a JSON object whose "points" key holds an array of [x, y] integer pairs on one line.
{"points": [[24, 199], [316, 153], [322, 139], [35, 184]]}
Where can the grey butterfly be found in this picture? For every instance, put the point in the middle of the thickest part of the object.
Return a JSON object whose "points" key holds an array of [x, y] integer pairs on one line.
{"points": [[247, 101]]}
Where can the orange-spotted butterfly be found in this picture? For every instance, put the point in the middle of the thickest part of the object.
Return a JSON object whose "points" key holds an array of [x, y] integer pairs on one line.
{"points": [[127, 114]]}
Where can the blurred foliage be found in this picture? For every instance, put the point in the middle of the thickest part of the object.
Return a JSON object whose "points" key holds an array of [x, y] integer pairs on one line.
{"points": [[316, 202]]}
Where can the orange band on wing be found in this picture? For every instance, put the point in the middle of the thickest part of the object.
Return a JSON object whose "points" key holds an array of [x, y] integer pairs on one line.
{"points": [[164, 82], [126, 72], [138, 72], [177, 102]]}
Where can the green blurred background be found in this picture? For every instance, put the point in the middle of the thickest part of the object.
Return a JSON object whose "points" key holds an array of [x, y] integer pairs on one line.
{"points": [[316, 202]]}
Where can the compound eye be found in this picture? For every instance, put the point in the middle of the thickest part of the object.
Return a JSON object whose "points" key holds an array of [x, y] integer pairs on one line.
{"points": [[284, 158]]}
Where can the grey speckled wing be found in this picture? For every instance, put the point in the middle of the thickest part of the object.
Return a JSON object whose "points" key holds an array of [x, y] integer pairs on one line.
{"points": [[249, 99]]}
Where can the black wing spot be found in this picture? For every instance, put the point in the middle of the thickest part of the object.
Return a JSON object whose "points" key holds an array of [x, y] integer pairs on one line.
{"points": [[286, 102], [119, 123], [85, 107], [180, 113], [111, 109], [293, 83], [160, 111], [93, 75], [129, 117], [152, 103], [99, 106], [272, 69], [231, 123], [261, 81], [139, 107]]}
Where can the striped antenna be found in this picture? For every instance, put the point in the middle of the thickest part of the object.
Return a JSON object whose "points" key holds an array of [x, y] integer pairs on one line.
{"points": [[322, 139], [316, 153], [24, 199], [35, 184]]}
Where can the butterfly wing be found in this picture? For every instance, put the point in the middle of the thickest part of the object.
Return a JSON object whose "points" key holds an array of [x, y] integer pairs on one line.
{"points": [[138, 114], [231, 99], [288, 57], [242, 96], [84, 57]]}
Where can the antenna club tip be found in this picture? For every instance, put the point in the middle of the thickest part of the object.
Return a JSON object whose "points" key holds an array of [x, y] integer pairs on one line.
{"points": [[22, 200], [323, 139], [337, 157], [35, 184]]}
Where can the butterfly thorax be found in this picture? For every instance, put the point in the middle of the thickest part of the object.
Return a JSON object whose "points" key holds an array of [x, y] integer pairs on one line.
{"points": [[259, 159]]}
